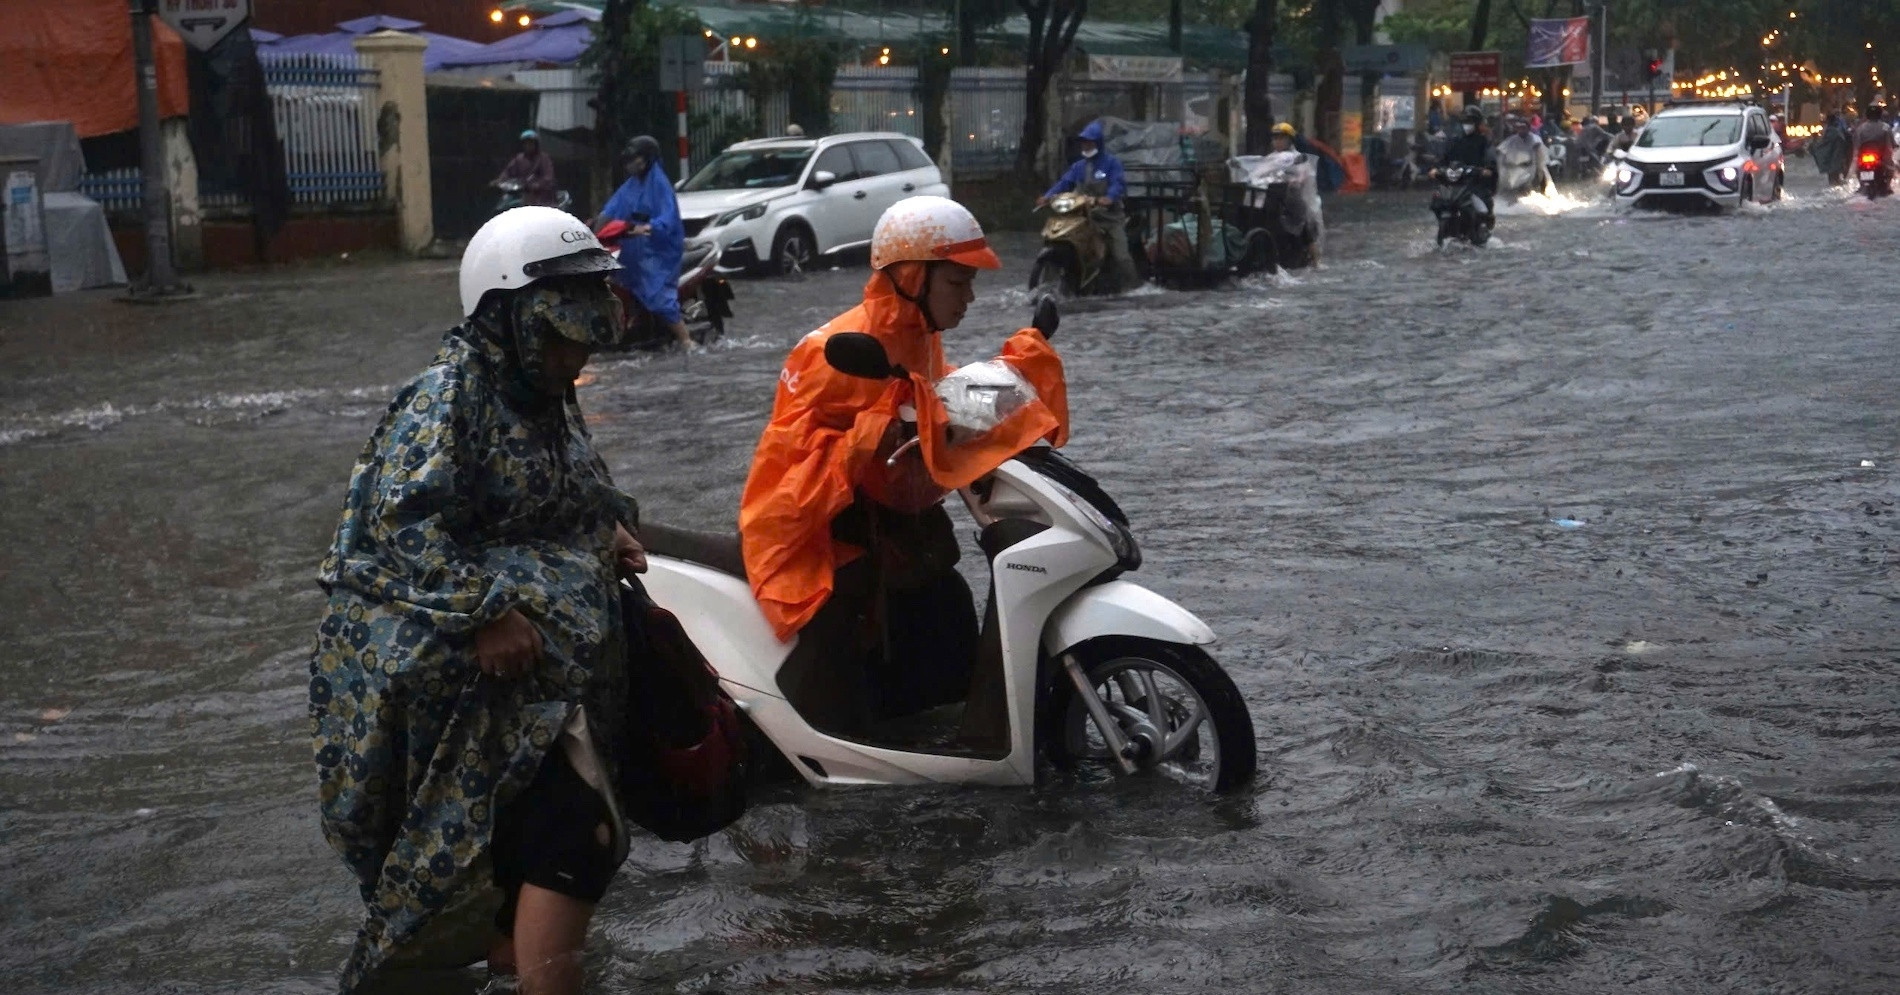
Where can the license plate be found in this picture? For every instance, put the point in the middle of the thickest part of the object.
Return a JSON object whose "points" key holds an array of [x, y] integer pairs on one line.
{"points": [[1672, 179], [1866, 174]]}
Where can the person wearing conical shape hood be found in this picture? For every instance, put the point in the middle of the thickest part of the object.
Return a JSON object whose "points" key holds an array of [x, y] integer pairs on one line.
{"points": [[893, 630], [656, 237], [467, 683], [1098, 175]]}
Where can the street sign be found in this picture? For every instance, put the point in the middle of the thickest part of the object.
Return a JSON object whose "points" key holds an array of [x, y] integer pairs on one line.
{"points": [[1136, 68], [1389, 59], [204, 23], [682, 62], [1476, 70]]}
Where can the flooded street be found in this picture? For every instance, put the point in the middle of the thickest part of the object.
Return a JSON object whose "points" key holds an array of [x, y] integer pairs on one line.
{"points": [[1561, 578]]}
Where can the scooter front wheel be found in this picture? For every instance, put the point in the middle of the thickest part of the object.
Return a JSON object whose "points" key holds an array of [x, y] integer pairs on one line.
{"points": [[1178, 711]]}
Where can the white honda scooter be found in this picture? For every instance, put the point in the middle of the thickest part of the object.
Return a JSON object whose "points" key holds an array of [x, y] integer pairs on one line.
{"points": [[1095, 669]]}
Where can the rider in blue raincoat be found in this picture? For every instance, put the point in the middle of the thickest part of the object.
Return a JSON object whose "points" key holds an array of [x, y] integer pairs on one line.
{"points": [[650, 255], [1098, 175]]}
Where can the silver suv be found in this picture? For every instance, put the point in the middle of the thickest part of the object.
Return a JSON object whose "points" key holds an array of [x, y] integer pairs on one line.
{"points": [[777, 204], [1702, 153]]}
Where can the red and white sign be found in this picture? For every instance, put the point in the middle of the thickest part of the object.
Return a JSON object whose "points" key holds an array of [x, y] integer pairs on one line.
{"points": [[1476, 70], [204, 23]]}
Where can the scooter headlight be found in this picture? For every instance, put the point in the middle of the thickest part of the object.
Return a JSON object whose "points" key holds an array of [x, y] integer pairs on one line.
{"points": [[753, 213]]}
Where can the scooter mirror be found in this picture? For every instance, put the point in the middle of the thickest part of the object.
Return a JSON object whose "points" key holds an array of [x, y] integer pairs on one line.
{"points": [[859, 355], [1048, 316]]}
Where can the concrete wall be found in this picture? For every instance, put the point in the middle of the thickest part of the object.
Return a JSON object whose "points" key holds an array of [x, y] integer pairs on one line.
{"points": [[403, 131], [232, 244]]}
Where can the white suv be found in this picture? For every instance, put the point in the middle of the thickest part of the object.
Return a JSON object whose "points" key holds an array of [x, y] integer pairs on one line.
{"points": [[777, 204], [1702, 153]]}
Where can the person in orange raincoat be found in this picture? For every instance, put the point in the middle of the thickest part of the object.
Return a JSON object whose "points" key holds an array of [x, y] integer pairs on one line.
{"points": [[894, 632]]}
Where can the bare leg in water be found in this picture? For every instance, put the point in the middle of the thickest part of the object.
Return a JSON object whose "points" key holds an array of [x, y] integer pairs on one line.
{"points": [[680, 334], [545, 952]]}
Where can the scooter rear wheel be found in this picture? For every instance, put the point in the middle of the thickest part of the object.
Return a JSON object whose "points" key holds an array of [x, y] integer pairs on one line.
{"points": [[1180, 712]]}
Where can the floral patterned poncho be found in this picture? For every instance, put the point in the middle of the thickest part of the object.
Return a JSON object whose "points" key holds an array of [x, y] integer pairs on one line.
{"points": [[475, 495]]}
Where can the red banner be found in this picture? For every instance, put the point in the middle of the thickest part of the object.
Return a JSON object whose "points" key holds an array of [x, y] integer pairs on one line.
{"points": [[1475, 70]]}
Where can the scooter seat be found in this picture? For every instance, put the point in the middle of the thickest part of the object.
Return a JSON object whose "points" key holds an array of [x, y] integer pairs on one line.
{"points": [[716, 550]]}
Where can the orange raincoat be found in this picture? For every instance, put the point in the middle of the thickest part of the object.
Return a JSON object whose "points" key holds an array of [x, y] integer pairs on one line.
{"points": [[826, 427]]}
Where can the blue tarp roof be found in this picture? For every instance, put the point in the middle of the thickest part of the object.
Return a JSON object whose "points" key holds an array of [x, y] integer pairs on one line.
{"points": [[442, 48], [558, 39]]}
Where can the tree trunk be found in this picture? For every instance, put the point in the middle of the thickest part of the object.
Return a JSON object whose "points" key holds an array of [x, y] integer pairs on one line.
{"points": [[1052, 27], [1174, 26], [1258, 109], [1480, 29], [1364, 18], [1331, 89], [615, 22]]}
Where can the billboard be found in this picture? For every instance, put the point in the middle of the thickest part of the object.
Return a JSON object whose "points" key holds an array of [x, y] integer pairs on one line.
{"points": [[1561, 41], [1476, 70]]}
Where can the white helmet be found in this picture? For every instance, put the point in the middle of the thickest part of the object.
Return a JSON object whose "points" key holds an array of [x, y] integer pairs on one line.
{"points": [[522, 245], [926, 229]]}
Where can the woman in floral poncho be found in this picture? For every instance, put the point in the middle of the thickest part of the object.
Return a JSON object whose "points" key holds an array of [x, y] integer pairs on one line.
{"points": [[467, 682]]}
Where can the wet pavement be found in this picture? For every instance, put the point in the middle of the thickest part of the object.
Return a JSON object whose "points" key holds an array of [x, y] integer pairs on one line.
{"points": [[1653, 749]]}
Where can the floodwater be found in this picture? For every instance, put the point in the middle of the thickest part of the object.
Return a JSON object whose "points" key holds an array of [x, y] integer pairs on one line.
{"points": [[1653, 749]]}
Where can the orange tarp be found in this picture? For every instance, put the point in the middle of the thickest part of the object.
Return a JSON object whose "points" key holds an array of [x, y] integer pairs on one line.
{"points": [[71, 60], [825, 433]]}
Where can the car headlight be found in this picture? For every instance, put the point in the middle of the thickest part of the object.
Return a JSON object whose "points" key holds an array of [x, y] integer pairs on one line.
{"points": [[752, 213], [1624, 175]]}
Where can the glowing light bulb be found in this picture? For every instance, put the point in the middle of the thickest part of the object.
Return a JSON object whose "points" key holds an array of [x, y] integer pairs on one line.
{"points": [[524, 20], [496, 16]]}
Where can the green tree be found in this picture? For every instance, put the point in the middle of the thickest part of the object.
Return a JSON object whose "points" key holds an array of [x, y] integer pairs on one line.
{"points": [[625, 55], [1052, 27]]}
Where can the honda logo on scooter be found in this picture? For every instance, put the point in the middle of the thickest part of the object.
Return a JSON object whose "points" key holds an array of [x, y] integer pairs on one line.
{"points": [[1026, 566]]}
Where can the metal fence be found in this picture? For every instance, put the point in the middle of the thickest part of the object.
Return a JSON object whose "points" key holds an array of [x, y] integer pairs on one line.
{"points": [[326, 117], [565, 94], [876, 98], [325, 108], [986, 118]]}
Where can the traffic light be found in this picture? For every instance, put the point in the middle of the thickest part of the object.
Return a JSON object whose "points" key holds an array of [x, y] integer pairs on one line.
{"points": [[1655, 66]]}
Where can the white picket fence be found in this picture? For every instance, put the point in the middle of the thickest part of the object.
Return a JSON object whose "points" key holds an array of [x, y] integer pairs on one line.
{"points": [[325, 108]]}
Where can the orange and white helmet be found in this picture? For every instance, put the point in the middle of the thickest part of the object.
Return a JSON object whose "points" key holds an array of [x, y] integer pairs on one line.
{"points": [[928, 229]]}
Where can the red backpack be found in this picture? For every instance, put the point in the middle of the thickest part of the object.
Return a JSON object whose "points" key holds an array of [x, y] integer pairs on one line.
{"points": [[683, 760]]}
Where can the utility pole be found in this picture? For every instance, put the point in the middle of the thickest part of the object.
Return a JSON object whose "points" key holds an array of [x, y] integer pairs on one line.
{"points": [[1597, 56], [161, 276]]}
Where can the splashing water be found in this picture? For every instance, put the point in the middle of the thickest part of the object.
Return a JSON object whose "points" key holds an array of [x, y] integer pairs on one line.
{"points": [[1549, 204]]}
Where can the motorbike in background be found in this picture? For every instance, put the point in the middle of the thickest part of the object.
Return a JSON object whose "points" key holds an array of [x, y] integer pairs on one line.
{"points": [[1876, 172], [513, 195], [1559, 158], [1517, 172], [1280, 205], [705, 295], [1074, 250], [1459, 204]]}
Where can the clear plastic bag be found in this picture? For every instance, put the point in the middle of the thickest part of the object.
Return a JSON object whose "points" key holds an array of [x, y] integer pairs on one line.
{"points": [[981, 396]]}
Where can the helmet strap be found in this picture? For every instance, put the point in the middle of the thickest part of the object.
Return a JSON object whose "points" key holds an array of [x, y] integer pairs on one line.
{"points": [[923, 307]]}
